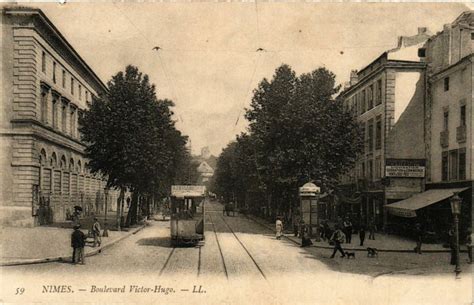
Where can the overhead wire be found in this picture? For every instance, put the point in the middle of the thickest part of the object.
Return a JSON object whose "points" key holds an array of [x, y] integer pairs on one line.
{"points": [[157, 49]]}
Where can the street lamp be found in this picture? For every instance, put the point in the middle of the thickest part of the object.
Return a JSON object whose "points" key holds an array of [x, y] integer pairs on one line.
{"points": [[106, 194], [456, 210]]}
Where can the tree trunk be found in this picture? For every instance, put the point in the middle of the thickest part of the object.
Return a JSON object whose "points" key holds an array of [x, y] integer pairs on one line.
{"points": [[119, 207], [268, 207], [132, 211]]}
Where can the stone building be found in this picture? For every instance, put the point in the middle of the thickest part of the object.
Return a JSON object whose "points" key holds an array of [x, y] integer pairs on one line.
{"points": [[449, 55], [45, 87], [387, 97], [449, 118], [423, 151]]}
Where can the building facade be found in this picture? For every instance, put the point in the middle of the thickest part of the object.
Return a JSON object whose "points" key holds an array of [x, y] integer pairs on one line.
{"points": [[387, 98], [418, 135], [449, 116], [45, 87]]}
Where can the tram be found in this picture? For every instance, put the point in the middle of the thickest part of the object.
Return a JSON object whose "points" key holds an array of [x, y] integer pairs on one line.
{"points": [[187, 214]]}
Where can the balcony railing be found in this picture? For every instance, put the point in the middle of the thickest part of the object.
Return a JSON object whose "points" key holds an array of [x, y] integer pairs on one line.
{"points": [[461, 134], [444, 138]]}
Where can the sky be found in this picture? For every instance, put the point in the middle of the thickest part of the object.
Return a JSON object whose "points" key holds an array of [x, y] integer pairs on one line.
{"points": [[208, 63]]}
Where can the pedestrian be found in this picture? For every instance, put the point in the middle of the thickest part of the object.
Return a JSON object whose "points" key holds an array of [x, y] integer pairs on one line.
{"points": [[224, 210], [469, 237], [296, 222], [372, 229], [362, 234], [452, 246], [278, 227], [327, 231], [348, 229], [96, 232], [323, 230], [337, 238], [304, 232], [78, 241], [75, 216], [418, 237]]}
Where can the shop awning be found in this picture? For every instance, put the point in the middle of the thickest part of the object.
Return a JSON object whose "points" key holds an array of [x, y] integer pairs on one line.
{"points": [[407, 208]]}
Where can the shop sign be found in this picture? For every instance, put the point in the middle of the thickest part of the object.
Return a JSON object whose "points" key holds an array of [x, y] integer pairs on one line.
{"points": [[182, 191], [408, 168]]}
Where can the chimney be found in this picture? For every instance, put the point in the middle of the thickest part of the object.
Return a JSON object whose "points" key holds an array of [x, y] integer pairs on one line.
{"points": [[354, 78], [422, 30]]}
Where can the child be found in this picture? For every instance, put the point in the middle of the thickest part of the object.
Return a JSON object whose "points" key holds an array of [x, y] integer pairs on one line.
{"points": [[78, 241], [96, 232]]}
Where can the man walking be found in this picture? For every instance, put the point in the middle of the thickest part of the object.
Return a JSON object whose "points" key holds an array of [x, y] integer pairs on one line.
{"points": [[372, 229], [362, 233], [469, 238], [348, 229], [78, 241], [338, 238], [419, 238], [96, 232]]}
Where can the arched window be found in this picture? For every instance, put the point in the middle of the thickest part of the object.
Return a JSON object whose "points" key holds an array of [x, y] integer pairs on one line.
{"points": [[54, 160], [71, 164], [63, 162], [79, 167], [43, 159]]}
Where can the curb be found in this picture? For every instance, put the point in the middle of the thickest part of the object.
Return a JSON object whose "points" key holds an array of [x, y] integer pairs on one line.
{"points": [[256, 220], [68, 258]]}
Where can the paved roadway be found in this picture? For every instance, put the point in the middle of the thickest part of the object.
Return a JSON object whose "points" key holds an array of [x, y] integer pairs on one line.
{"points": [[240, 262]]}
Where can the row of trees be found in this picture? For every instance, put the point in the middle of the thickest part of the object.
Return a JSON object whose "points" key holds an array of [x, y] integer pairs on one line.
{"points": [[132, 139], [297, 133]]}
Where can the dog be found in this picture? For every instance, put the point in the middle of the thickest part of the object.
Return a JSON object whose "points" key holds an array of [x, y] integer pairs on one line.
{"points": [[372, 252], [350, 254]]}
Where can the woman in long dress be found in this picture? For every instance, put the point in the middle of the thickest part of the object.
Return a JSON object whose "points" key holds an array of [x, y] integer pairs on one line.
{"points": [[279, 228]]}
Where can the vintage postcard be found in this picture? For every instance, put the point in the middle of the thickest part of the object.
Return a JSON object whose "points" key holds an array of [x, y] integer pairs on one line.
{"points": [[236, 152]]}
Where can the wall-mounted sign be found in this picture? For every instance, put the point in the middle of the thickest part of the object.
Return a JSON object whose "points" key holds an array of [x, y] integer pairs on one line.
{"points": [[182, 191], [408, 168]]}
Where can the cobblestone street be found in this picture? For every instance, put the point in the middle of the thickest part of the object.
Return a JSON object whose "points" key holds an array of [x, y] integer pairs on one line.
{"points": [[238, 256]]}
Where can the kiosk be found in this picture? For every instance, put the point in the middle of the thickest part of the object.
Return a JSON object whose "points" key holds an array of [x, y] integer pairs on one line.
{"points": [[309, 195]]}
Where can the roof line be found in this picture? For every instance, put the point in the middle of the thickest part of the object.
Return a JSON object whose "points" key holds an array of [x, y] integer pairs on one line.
{"points": [[465, 58], [387, 64], [63, 40]]}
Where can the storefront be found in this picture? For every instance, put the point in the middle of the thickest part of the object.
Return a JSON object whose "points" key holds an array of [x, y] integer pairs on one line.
{"points": [[431, 209]]}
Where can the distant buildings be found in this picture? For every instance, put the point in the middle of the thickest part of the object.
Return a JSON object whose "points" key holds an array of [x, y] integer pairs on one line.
{"points": [[45, 87], [206, 171], [415, 106]]}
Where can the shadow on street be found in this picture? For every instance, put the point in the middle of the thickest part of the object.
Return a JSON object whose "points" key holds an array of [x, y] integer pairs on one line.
{"points": [[163, 242]]}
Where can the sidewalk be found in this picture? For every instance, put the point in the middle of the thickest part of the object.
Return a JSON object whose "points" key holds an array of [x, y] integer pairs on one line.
{"points": [[21, 246], [396, 256], [383, 242]]}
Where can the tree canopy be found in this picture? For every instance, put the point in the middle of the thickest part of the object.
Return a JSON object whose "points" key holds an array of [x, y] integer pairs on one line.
{"points": [[131, 136], [297, 133]]}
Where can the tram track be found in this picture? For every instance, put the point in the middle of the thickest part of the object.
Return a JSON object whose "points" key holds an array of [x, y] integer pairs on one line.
{"points": [[238, 240], [219, 247], [245, 248], [167, 261]]}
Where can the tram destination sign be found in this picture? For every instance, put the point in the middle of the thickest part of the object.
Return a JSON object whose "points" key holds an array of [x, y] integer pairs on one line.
{"points": [[409, 168], [182, 191]]}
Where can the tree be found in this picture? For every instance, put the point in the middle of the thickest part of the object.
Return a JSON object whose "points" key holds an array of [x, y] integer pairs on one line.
{"points": [[131, 137], [297, 132]]}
